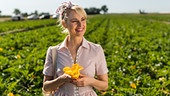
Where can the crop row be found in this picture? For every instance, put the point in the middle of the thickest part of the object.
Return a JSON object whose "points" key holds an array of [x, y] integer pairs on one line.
{"points": [[139, 54], [165, 17], [22, 58], [28, 24]]}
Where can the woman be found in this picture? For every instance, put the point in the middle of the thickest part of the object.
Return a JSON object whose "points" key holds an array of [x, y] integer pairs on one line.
{"points": [[76, 49]]}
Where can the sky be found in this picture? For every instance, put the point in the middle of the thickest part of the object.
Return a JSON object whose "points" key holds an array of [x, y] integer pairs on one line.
{"points": [[115, 6]]}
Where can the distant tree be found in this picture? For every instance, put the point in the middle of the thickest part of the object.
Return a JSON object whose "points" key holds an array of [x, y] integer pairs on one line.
{"points": [[87, 10], [142, 12], [36, 12], [42, 13], [104, 9], [17, 11], [25, 14], [92, 10], [0, 12]]}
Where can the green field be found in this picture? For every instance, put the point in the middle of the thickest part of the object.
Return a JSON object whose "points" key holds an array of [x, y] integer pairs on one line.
{"points": [[137, 49]]}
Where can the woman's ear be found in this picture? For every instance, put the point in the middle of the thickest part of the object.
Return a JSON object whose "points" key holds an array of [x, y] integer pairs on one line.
{"points": [[64, 24]]}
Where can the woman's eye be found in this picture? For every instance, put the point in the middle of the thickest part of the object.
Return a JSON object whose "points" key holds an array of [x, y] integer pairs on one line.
{"points": [[83, 19]]}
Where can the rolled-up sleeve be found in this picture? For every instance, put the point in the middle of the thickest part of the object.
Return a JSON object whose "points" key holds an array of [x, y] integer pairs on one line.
{"points": [[48, 66], [101, 65]]}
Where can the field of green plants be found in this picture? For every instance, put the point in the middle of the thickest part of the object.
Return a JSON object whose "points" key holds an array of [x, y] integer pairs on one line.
{"points": [[137, 49]]}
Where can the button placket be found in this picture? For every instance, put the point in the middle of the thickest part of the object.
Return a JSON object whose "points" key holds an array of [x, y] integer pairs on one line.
{"points": [[77, 55], [76, 90], [72, 61]]}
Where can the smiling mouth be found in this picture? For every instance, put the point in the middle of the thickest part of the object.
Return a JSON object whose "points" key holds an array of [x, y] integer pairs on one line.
{"points": [[79, 30]]}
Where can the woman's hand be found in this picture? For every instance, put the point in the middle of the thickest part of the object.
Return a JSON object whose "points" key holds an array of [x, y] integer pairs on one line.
{"points": [[65, 78], [51, 84], [101, 83], [83, 81]]}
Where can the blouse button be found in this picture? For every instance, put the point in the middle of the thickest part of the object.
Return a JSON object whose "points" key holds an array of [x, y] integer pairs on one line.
{"points": [[72, 61]]}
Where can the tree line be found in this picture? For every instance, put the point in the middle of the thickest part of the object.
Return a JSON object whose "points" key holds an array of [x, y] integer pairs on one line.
{"points": [[89, 11], [94, 10]]}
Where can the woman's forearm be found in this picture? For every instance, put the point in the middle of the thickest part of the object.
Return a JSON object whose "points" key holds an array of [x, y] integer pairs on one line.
{"points": [[99, 84], [52, 85]]}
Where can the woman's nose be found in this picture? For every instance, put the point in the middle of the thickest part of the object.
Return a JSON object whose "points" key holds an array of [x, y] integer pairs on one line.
{"points": [[79, 23]]}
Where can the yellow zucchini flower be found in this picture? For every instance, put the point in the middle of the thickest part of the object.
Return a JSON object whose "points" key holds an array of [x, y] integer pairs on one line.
{"points": [[74, 71]]}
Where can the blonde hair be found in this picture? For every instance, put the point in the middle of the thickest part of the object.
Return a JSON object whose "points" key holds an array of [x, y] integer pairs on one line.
{"points": [[63, 17]]}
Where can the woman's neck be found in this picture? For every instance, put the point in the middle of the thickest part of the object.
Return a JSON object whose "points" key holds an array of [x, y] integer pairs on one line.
{"points": [[74, 43]]}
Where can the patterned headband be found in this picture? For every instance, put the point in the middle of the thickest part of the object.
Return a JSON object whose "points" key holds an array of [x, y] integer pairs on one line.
{"points": [[62, 9]]}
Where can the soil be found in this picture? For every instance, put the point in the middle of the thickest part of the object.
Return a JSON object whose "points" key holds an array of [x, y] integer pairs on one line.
{"points": [[4, 19]]}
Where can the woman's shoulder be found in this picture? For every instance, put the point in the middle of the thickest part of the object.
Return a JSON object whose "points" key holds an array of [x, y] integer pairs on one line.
{"points": [[94, 45], [55, 46]]}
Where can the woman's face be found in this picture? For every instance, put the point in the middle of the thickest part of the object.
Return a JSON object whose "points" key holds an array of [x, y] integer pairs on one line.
{"points": [[76, 24]]}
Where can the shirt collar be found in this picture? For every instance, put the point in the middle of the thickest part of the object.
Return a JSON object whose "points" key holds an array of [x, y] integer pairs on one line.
{"points": [[84, 43], [63, 44]]}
